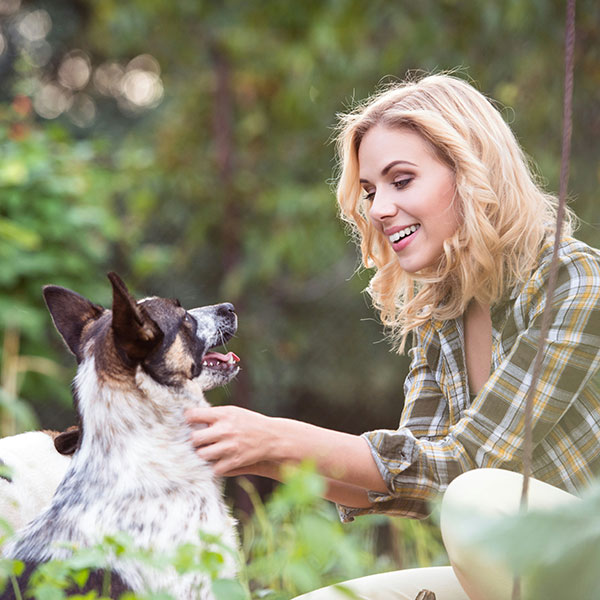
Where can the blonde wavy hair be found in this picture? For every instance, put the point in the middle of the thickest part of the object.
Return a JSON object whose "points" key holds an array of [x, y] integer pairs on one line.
{"points": [[505, 215]]}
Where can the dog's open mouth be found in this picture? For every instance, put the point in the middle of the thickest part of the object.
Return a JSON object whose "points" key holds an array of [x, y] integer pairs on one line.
{"points": [[216, 360]]}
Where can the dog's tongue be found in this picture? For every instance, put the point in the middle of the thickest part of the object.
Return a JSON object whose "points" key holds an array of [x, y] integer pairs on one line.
{"points": [[230, 357]]}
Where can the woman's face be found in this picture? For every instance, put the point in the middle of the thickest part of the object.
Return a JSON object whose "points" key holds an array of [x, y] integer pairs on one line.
{"points": [[411, 194]]}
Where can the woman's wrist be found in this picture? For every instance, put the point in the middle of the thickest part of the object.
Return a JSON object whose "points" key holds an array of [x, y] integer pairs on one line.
{"points": [[294, 441], [283, 445], [268, 469]]}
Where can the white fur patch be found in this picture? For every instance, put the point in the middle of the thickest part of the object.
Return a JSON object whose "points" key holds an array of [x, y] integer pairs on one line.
{"points": [[37, 469]]}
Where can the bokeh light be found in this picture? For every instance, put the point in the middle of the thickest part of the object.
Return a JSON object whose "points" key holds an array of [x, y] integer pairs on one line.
{"points": [[75, 70], [107, 78], [72, 88], [51, 100], [34, 26], [136, 86], [144, 62], [142, 89]]}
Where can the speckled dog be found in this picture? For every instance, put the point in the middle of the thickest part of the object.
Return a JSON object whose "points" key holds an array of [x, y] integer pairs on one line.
{"points": [[134, 469]]}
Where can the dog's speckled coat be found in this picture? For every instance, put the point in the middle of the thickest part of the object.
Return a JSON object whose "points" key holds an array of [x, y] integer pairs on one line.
{"points": [[135, 470]]}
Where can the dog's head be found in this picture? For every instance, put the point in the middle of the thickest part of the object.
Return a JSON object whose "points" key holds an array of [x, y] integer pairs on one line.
{"points": [[169, 343]]}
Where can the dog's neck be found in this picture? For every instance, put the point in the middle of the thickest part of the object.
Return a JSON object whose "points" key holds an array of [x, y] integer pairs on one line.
{"points": [[136, 424]]}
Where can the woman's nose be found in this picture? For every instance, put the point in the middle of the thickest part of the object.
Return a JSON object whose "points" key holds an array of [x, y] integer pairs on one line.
{"points": [[382, 207]]}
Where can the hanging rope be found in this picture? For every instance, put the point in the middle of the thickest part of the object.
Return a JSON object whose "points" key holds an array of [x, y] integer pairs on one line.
{"points": [[564, 179], [547, 314]]}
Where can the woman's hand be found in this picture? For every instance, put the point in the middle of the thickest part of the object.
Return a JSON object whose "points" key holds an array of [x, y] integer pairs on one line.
{"points": [[235, 440], [238, 441]]}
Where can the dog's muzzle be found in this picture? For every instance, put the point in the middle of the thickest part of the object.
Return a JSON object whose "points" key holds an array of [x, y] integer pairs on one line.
{"points": [[217, 324]]}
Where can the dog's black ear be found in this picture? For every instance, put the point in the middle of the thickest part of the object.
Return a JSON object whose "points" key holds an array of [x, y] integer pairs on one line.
{"points": [[70, 312], [68, 441], [136, 333]]}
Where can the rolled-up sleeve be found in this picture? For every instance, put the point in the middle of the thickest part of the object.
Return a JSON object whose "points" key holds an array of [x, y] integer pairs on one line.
{"points": [[430, 448]]}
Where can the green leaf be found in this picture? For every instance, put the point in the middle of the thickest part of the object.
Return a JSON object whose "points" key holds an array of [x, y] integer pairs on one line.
{"points": [[10, 567], [228, 589], [81, 577], [48, 591]]}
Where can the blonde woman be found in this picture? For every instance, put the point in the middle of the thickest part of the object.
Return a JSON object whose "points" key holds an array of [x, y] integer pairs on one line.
{"points": [[444, 206]]}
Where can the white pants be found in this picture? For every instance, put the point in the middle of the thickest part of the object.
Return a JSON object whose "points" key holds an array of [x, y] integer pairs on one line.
{"points": [[473, 575]]}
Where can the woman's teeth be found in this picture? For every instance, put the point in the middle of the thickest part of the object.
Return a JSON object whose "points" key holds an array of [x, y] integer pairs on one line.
{"points": [[396, 237]]}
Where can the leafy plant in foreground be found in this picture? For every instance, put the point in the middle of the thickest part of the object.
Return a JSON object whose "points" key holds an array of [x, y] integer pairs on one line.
{"points": [[295, 542]]}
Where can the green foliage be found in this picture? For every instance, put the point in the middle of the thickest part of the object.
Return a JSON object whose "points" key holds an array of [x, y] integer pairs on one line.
{"points": [[296, 543], [54, 222], [417, 543], [18, 409], [56, 227]]}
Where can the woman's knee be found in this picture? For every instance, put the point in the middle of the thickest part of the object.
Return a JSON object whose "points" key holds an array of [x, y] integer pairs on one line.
{"points": [[487, 493]]}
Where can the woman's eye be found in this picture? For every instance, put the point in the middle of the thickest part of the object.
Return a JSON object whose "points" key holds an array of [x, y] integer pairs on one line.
{"points": [[369, 196], [402, 183]]}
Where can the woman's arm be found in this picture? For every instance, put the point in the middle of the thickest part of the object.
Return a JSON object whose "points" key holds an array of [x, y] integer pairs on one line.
{"points": [[239, 441], [336, 491]]}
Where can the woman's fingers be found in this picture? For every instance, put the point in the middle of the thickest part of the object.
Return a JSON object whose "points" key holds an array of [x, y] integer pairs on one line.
{"points": [[202, 415], [205, 436], [222, 463], [210, 451], [231, 438]]}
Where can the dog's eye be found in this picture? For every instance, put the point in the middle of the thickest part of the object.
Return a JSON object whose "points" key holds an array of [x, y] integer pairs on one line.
{"points": [[190, 320]]}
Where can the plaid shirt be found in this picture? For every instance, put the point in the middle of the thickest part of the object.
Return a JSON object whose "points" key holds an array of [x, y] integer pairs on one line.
{"points": [[444, 431]]}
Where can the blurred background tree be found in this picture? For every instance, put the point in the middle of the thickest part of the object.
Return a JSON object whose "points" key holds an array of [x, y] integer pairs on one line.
{"points": [[187, 145]]}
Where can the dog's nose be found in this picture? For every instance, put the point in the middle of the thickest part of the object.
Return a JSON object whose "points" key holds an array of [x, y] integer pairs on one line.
{"points": [[225, 309]]}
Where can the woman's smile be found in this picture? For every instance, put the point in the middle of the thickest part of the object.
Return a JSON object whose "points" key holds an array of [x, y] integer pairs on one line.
{"points": [[400, 237]]}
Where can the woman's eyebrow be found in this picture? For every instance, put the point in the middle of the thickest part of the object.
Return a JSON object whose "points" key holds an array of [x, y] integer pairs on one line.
{"points": [[387, 168]]}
